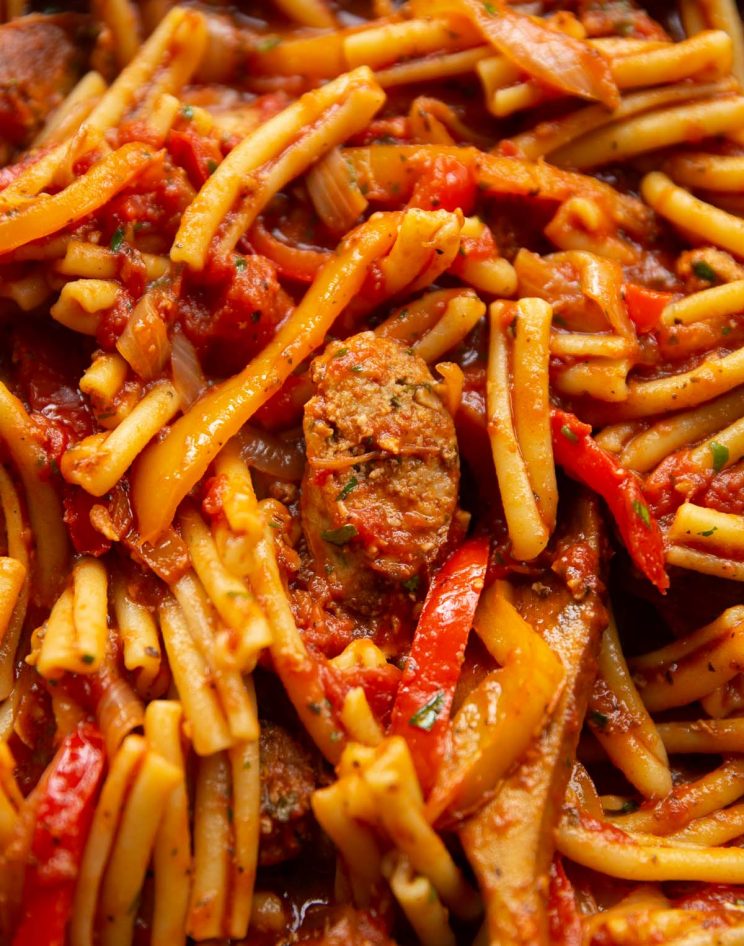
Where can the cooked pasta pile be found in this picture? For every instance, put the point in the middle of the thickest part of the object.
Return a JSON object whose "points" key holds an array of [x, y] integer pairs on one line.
{"points": [[372, 473]]}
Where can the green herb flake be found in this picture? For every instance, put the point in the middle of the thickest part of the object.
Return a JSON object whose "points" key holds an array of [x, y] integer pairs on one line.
{"points": [[348, 487], [411, 584], [598, 719], [211, 165], [341, 352], [720, 455], [87, 658], [117, 239], [641, 510], [187, 112], [425, 717], [704, 271], [708, 532], [339, 536], [489, 8], [628, 807], [266, 45], [569, 434], [240, 262]]}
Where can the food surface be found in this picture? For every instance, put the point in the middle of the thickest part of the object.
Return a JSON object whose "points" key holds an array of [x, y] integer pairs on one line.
{"points": [[371, 473]]}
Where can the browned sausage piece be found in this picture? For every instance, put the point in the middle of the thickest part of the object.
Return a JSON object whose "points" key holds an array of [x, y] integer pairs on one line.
{"points": [[381, 482], [39, 62], [288, 779]]}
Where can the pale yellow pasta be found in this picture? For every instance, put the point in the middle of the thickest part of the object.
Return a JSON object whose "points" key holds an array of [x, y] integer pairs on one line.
{"points": [[697, 799], [28, 292], [527, 531], [651, 131], [122, 19], [722, 450], [707, 528], [205, 716], [266, 143], [65, 120], [211, 848], [139, 635], [515, 98], [495, 276], [589, 345], [17, 543], [462, 313], [98, 262], [643, 451], [90, 610], [355, 841], [97, 462], [382, 45], [602, 378], [718, 301], [419, 902], [246, 823], [104, 378], [694, 215], [551, 135], [704, 736], [100, 840], [56, 645], [710, 50], [12, 580], [432, 67], [718, 828], [359, 720], [636, 749], [172, 847], [712, 377], [81, 302], [392, 781], [426, 244], [724, 15], [44, 506], [646, 861], [132, 849], [714, 172], [704, 562], [232, 598], [531, 402]]}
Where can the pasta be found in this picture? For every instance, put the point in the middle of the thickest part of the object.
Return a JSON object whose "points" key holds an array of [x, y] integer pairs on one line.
{"points": [[371, 470]]}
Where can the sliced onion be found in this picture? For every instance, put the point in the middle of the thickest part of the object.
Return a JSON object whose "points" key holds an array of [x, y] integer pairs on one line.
{"points": [[335, 193], [119, 710], [188, 378], [272, 455], [144, 342]]}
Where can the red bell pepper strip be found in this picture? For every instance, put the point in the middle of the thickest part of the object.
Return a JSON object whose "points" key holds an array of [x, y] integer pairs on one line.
{"points": [[584, 460], [63, 820], [424, 699], [563, 914], [645, 306]]}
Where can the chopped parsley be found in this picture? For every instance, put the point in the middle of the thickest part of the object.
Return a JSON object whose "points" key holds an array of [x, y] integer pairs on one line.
{"points": [[347, 488], [708, 532], [266, 45], [339, 536], [720, 455], [425, 717], [641, 510], [569, 434], [187, 112], [240, 262], [598, 719], [489, 8], [704, 271], [117, 239], [411, 584]]}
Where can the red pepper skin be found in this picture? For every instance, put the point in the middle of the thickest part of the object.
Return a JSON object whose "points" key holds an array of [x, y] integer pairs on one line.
{"points": [[584, 460], [645, 306], [435, 660], [63, 821]]}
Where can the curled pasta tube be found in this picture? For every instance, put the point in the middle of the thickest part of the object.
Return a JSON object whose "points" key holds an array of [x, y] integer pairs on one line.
{"points": [[16, 535], [521, 449], [419, 901], [99, 461], [635, 748]]}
